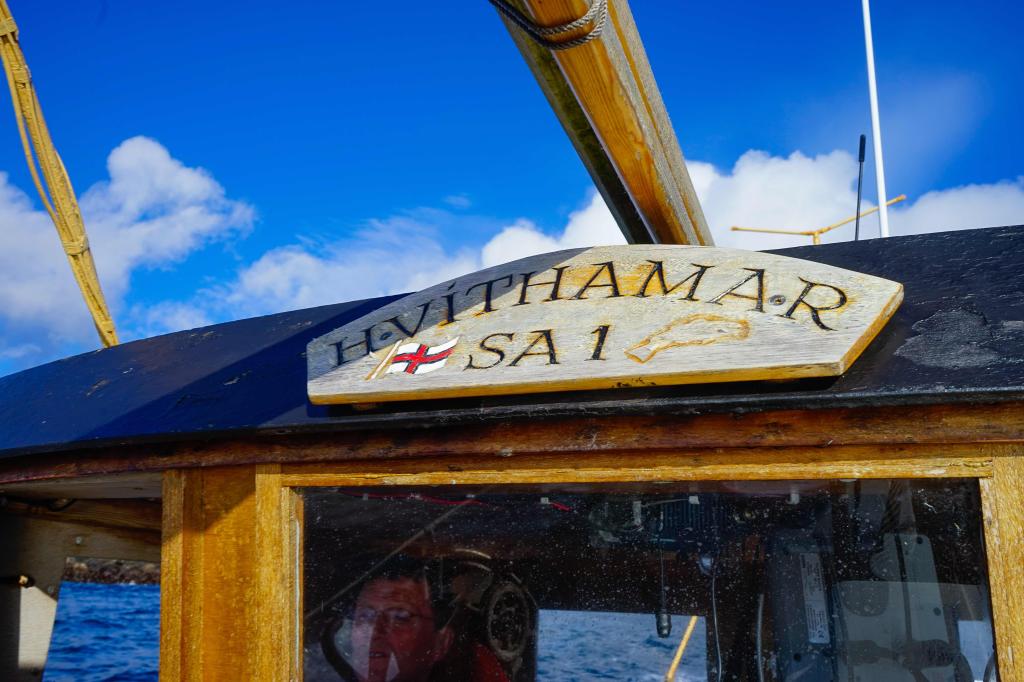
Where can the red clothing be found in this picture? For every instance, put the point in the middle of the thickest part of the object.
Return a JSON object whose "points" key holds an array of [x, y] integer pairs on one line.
{"points": [[486, 667]]}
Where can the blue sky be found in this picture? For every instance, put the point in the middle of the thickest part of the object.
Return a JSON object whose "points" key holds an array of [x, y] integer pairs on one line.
{"points": [[334, 136]]}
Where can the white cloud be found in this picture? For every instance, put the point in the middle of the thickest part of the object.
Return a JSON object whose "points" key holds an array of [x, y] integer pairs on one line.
{"points": [[152, 320], [593, 225], [800, 193], [959, 208], [388, 256], [769, 192], [18, 352], [403, 253], [36, 287], [394, 255], [152, 212]]}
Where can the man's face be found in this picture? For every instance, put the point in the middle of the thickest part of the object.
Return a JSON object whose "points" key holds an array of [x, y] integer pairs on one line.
{"points": [[393, 635]]}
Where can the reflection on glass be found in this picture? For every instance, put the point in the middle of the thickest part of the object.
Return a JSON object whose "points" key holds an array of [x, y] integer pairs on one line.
{"points": [[834, 581], [586, 645]]}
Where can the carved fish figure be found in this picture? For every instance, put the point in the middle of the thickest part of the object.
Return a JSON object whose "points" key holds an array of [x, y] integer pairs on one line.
{"points": [[693, 330]]}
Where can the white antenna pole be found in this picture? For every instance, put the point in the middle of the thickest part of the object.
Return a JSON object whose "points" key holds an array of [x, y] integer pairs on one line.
{"points": [[876, 127]]}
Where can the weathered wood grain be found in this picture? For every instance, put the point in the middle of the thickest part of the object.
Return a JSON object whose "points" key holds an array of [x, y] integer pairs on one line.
{"points": [[209, 569], [580, 437], [1004, 547], [230, 575], [584, 139], [605, 96], [127, 514], [606, 317], [740, 464], [278, 570], [172, 577], [120, 486]]}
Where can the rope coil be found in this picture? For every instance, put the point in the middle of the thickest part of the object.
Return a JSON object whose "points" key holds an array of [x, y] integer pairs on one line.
{"points": [[547, 36]]}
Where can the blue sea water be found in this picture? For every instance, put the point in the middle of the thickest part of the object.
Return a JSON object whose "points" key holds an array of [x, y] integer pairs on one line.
{"points": [[105, 633], [111, 633], [592, 645], [108, 633]]}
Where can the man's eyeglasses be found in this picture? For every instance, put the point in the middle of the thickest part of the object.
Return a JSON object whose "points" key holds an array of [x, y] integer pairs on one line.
{"points": [[394, 618]]}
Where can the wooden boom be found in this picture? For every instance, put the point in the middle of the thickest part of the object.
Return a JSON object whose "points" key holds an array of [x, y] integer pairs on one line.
{"points": [[604, 94]]}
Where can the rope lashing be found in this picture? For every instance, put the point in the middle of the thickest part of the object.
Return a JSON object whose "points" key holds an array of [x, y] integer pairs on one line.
{"points": [[8, 27], [75, 247], [548, 36], [50, 177]]}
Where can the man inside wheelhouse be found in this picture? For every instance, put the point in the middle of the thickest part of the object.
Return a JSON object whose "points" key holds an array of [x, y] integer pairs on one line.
{"points": [[406, 627], [817, 581]]}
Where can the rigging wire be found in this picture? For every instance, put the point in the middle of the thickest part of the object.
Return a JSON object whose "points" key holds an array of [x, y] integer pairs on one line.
{"points": [[714, 619], [42, 158]]}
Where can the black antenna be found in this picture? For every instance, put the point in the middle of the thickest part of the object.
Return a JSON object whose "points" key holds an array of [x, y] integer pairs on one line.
{"points": [[860, 182]]}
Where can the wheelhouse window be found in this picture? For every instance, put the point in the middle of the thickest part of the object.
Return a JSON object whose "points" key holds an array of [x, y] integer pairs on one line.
{"points": [[870, 580]]}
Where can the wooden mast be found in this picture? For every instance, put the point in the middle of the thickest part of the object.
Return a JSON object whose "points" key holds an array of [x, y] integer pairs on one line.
{"points": [[605, 96]]}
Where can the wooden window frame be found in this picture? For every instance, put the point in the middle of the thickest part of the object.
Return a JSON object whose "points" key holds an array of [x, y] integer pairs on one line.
{"points": [[232, 551]]}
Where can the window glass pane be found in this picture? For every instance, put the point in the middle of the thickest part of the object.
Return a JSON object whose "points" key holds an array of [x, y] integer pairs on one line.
{"points": [[816, 581]]}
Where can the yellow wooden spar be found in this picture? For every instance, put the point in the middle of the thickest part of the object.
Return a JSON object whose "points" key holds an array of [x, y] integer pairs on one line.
{"points": [[670, 676], [60, 203], [815, 235], [589, 60]]}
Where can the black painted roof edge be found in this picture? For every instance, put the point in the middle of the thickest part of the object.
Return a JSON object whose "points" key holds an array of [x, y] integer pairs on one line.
{"points": [[168, 405]]}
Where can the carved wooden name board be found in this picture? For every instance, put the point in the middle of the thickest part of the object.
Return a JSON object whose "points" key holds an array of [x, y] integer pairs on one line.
{"points": [[606, 317]]}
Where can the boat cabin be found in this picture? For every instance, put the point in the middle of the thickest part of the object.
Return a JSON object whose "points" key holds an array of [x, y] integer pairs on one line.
{"points": [[637, 462]]}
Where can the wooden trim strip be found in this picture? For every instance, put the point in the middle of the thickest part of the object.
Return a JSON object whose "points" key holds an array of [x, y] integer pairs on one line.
{"points": [[719, 465], [229, 580], [172, 566], [1004, 530], [824, 429], [278, 578], [209, 612], [141, 518], [296, 518]]}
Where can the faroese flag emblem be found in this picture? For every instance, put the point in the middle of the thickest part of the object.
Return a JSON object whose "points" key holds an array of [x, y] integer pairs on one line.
{"points": [[417, 358]]}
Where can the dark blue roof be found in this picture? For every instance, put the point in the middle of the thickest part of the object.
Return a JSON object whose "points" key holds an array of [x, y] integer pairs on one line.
{"points": [[959, 336]]}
